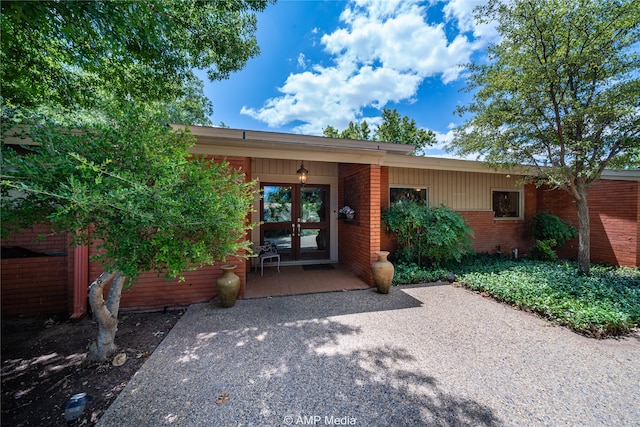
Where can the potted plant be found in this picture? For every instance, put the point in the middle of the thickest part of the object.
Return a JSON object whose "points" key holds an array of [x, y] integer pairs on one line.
{"points": [[348, 212]]}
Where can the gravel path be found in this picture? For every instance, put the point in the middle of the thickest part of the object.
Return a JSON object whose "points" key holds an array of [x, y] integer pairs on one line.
{"points": [[421, 355]]}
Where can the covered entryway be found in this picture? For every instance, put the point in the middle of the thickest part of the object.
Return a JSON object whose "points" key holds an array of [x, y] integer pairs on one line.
{"points": [[295, 218]]}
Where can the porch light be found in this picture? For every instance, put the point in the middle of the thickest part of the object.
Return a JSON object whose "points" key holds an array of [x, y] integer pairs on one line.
{"points": [[302, 173]]}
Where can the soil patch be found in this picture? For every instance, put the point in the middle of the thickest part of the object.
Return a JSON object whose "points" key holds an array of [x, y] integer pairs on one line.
{"points": [[44, 364]]}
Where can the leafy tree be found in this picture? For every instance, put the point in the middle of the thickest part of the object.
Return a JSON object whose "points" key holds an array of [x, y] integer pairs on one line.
{"points": [[73, 52], [560, 93], [73, 76], [359, 132], [403, 130], [130, 180], [396, 129]]}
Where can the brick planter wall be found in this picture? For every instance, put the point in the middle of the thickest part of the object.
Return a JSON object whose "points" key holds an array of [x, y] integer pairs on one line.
{"points": [[37, 285]]}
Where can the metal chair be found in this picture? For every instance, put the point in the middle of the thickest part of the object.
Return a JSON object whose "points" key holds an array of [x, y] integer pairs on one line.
{"points": [[268, 252]]}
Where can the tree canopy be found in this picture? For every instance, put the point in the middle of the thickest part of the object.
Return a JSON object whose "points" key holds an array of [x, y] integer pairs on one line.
{"points": [[92, 85], [560, 92], [395, 129], [132, 182], [72, 53]]}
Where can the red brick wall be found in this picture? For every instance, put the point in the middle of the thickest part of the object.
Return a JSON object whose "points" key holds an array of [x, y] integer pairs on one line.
{"points": [[490, 233], [34, 286], [29, 239], [358, 240], [387, 240], [151, 292], [508, 234], [44, 285], [614, 213], [38, 285]]}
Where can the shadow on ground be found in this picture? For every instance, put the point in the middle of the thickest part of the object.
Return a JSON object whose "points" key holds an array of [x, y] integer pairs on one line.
{"points": [[286, 361]]}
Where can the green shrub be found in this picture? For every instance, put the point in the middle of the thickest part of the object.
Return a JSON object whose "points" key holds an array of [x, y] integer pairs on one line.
{"points": [[436, 234], [546, 226], [550, 232], [543, 250], [448, 235], [407, 221]]}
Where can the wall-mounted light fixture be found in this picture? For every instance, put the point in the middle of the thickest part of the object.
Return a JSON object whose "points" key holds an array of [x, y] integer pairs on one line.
{"points": [[302, 173]]}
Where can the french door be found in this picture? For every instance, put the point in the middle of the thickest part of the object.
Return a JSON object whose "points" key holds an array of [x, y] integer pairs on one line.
{"points": [[296, 219]]}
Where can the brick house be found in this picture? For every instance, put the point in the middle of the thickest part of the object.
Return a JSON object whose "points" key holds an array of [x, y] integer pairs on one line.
{"points": [[365, 175]]}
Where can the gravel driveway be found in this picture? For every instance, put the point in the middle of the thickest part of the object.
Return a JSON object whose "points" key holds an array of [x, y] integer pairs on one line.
{"points": [[421, 355]]}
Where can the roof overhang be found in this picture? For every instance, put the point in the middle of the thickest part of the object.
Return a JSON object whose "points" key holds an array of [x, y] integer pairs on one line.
{"points": [[441, 163], [621, 174], [272, 145]]}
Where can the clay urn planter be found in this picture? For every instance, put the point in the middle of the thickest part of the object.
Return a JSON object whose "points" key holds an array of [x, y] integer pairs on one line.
{"points": [[228, 286], [382, 272]]}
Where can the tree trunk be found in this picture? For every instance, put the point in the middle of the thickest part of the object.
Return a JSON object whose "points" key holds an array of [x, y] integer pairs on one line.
{"points": [[106, 313], [584, 229]]}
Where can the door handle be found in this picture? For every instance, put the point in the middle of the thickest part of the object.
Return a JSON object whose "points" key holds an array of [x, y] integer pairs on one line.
{"points": [[298, 229], [293, 230]]}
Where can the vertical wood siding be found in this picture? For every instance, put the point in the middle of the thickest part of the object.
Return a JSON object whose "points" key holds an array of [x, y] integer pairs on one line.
{"points": [[462, 191], [289, 167]]}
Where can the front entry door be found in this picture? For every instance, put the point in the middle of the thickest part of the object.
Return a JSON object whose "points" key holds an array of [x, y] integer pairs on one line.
{"points": [[295, 218]]}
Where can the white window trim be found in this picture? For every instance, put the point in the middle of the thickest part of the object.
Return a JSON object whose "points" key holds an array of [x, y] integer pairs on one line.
{"points": [[520, 192], [415, 187]]}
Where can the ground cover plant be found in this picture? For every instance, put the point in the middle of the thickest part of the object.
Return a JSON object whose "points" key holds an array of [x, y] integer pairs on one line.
{"points": [[606, 303]]}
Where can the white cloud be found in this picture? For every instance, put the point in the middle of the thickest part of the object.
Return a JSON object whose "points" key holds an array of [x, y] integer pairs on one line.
{"points": [[462, 12], [381, 54], [302, 61]]}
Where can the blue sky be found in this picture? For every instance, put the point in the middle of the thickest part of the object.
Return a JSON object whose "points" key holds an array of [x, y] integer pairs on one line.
{"points": [[330, 62]]}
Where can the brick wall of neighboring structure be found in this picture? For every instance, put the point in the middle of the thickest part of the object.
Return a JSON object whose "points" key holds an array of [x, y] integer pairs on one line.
{"points": [[37, 285], [359, 186], [614, 213]]}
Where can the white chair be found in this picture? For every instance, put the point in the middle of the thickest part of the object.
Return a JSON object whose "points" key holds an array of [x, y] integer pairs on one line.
{"points": [[268, 252]]}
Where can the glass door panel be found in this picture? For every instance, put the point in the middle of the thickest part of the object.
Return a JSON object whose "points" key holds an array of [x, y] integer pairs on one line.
{"points": [[295, 220], [277, 204], [313, 222], [278, 227], [280, 238]]}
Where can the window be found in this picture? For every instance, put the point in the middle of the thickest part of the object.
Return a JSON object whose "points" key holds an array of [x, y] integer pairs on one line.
{"points": [[507, 204], [401, 194]]}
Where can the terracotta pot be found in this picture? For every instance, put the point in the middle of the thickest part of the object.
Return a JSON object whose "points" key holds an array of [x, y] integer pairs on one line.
{"points": [[382, 272], [228, 286]]}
